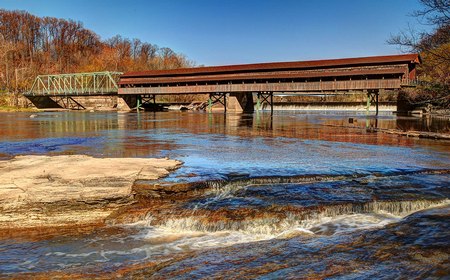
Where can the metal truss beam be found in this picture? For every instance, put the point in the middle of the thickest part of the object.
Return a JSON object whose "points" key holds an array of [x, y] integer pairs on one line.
{"points": [[217, 98], [264, 97], [372, 97], [68, 102], [77, 84]]}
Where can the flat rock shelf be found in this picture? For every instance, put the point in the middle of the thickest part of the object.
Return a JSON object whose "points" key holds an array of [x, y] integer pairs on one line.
{"points": [[47, 191]]}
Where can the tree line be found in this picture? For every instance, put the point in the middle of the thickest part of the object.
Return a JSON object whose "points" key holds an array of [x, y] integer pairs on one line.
{"points": [[31, 45]]}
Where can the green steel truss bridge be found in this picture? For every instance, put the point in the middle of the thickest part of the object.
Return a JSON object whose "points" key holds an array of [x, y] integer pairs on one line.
{"points": [[59, 90], [77, 84]]}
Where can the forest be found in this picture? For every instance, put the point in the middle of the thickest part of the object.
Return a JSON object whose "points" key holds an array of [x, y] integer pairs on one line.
{"points": [[31, 45]]}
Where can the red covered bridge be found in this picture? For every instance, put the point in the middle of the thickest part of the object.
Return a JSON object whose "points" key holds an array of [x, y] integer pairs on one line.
{"points": [[234, 85]]}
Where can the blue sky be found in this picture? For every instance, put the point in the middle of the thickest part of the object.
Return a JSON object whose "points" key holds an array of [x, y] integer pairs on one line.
{"points": [[216, 32]]}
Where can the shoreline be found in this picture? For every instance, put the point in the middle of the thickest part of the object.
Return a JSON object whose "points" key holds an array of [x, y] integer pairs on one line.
{"points": [[4, 109]]}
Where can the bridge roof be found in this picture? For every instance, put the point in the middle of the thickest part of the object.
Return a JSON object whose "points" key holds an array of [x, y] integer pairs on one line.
{"points": [[278, 66]]}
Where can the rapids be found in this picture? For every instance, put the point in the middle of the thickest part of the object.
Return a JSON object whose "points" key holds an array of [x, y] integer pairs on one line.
{"points": [[296, 195]]}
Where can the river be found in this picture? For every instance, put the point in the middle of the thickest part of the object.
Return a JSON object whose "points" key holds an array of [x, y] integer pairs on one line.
{"points": [[293, 195]]}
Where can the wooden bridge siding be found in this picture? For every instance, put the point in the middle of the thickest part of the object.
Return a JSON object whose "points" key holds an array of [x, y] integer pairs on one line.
{"points": [[268, 87], [325, 74]]}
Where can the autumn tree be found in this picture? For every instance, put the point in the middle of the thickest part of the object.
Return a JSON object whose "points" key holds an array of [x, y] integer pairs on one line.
{"points": [[434, 47], [31, 45]]}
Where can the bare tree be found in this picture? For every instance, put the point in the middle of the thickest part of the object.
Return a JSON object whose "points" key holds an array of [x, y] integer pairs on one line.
{"points": [[435, 12], [5, 48], [434, 47]]}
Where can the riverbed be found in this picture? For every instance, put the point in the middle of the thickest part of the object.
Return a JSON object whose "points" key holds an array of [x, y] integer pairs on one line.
{"points": [[293, 195]]}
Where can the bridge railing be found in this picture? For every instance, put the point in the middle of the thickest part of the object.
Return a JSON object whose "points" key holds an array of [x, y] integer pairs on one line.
{"points": [[411, 82], [93, 83]]}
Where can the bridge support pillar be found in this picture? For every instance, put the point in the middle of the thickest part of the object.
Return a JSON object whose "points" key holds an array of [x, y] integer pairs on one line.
{"points": [[127, 102], [264, 97], [138, 102], [241, 102], [372, 97]]}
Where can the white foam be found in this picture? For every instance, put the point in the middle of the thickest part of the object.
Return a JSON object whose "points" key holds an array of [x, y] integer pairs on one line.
{"points": [[344, 217], [191, 233]]}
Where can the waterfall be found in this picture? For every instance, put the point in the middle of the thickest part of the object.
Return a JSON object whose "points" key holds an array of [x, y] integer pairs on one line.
{"points": [[273, 224]]}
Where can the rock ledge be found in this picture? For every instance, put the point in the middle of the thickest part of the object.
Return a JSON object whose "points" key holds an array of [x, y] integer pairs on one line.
{"points": [[44, 191]]}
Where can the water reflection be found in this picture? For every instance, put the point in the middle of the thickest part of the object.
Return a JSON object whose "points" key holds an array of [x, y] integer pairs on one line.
{"points": [[130, 134], [427, 123], [403, 123], [20, 125]]}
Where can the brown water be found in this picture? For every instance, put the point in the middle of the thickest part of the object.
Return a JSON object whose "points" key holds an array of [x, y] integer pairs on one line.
{"points": [[295, 195]]}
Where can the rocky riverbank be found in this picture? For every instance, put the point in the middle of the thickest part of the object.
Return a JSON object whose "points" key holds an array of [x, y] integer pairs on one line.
{"points": [[308, 227], [56, 191]]}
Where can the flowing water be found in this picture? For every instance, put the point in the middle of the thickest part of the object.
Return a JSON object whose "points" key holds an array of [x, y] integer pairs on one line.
{"points": [[296, 195]]}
